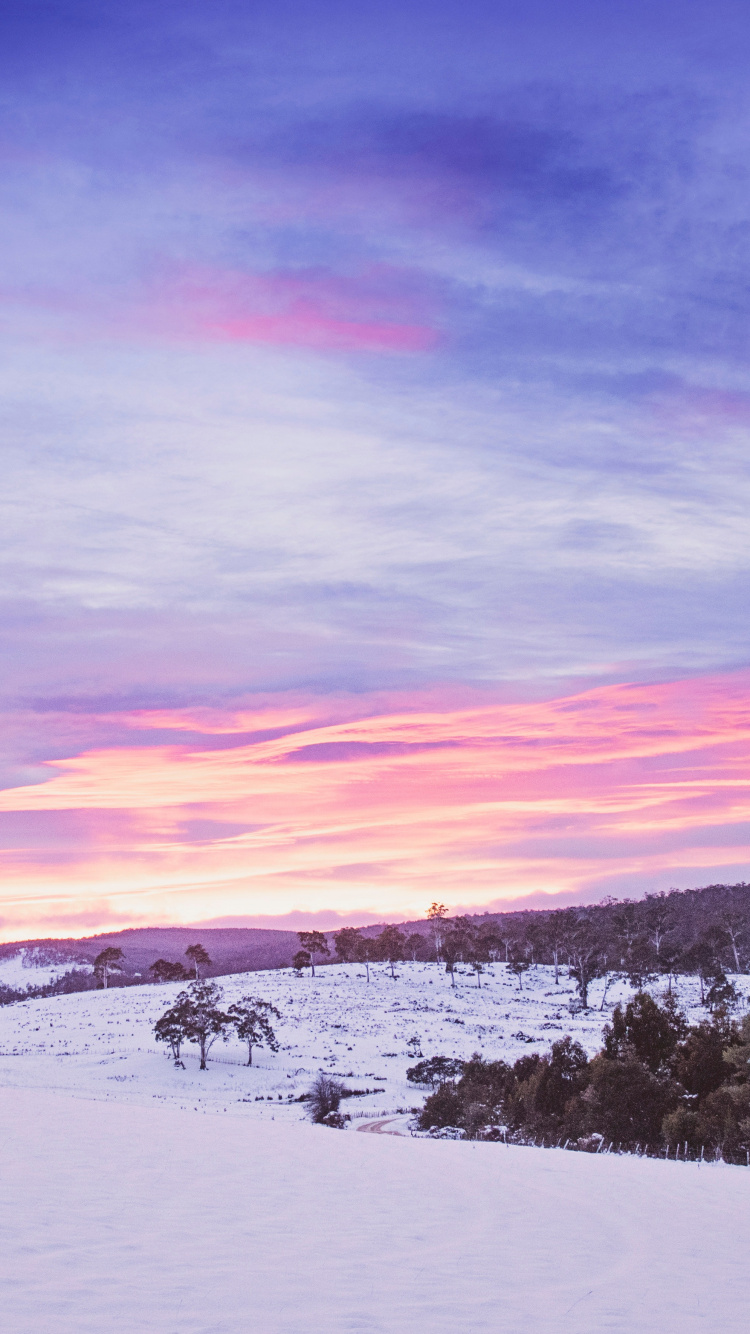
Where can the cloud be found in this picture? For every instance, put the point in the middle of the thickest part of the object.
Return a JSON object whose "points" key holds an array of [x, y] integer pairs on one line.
{"points": [[379, 810]]}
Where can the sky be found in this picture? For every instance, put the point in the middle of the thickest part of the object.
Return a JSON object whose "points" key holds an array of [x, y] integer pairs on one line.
{"points": [[375, 412]]}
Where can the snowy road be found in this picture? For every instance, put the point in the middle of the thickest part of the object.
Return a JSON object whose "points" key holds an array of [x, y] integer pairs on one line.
{"points": [[130, 1219]]}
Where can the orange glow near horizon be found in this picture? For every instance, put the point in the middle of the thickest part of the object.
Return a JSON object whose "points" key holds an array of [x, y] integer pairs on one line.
{"points": [[611, 790]]}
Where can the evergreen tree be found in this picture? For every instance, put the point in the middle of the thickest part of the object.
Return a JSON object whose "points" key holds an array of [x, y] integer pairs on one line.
{"points": [[164, 971], [315, 943], [252, 1022], [366, 952], [390, 946], [346, 942], [109, 961], [172, 1028], [198, 956], [300, 961], [644, 1030], [197, 1012]]}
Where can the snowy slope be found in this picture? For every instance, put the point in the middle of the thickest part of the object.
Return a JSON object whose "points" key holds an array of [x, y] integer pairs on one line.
{"points": [[101, 1044], [27, 968], [152, 1220], [120, 1208]]}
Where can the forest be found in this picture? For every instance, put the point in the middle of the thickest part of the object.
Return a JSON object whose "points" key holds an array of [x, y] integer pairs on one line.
{"points": [[657, 1087]]}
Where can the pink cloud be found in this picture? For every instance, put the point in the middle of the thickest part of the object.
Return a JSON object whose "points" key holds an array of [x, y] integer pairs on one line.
{"points": [[388, 809], [377, 311], [382, 310]]}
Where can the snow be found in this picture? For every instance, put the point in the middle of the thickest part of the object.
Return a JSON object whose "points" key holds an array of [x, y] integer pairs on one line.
{"points": [[28, 969], [100, 1043], [135, 1196]]}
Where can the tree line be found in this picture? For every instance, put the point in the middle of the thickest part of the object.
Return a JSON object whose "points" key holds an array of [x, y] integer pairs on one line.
{"points": [[657, 1086], [704, 933]]}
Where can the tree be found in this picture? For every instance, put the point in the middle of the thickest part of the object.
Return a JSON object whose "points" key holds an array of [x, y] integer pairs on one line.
{"points": [[414, 945], [172, 1029], [699, 1063], [198, 957], [557, 931], [626, 1102], [588, 956], [164, 971], [646, 1031], [366, 952], [109, 961], [518, 965], [478, 966], [203, 1021], [315, 943], [701, 960], [488, 942], [436, 914], [458, 943], [435, 1070], [451, 948], [346, 942], [252, 1022], [301, 960], [390, 945]]}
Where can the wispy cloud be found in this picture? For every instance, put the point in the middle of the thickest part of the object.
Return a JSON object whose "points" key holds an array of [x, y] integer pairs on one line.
{"points": [[472, 804]]}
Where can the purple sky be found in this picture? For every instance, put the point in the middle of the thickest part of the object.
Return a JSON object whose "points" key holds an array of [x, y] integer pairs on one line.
{"points": [[367, 348]]}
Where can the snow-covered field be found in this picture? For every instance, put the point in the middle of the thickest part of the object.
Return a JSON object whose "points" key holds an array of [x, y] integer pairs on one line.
{"points": [[121, 1208], [28, 969], [101, 1044]]}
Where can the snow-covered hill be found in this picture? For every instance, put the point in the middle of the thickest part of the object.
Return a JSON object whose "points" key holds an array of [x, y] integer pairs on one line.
{"points": [[101, 1043], [121, 1211]]}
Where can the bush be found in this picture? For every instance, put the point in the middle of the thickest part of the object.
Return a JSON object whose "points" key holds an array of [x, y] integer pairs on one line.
{"points": [[443, 1108], [324, 1099], [625, 1102], [644, 1030], [698, 1064], [681, 1127], [434, 1071], [724, 1122]]}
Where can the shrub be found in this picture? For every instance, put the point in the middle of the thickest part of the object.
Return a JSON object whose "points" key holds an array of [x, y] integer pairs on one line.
{"points": [[443, 1108], [324, 1099], [627, 1103], [681, 1127], [434, 1071]]}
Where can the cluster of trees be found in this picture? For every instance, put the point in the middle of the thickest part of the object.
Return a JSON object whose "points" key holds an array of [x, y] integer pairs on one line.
{"points": [[657, 1086], [703, 932], [165, 971], [389, 946], [197, 1016]]}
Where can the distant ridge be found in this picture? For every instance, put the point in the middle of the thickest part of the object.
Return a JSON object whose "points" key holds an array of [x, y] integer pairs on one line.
{"points": [[688, 915]]}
